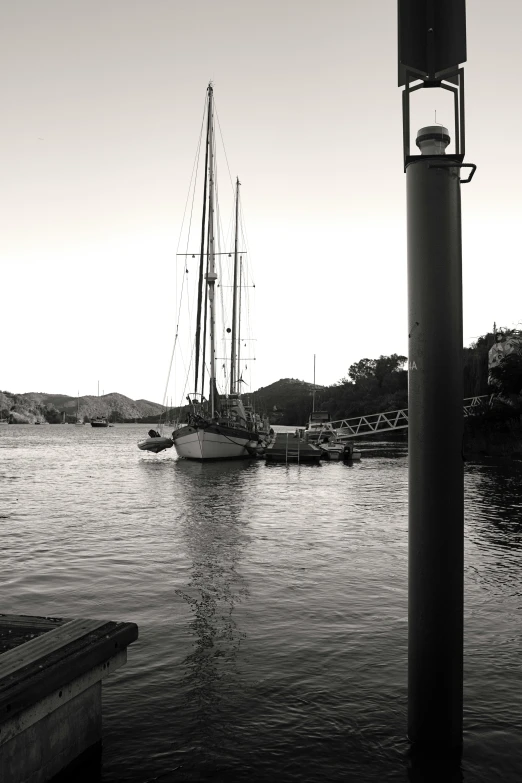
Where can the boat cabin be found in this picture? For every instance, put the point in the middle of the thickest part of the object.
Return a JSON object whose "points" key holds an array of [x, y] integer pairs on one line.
{"points": [[232, 408], [317, 423]]}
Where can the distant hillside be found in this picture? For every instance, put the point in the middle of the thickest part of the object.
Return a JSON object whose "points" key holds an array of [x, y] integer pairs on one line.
{"points": [[36, 406], [287, 401]]}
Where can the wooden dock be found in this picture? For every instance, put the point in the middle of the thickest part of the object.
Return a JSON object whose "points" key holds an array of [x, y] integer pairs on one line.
{"points": [[50, 690], [288, 447]]}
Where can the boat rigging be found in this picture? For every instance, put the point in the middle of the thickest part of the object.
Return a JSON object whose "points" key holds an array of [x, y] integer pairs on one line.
{"points": [[215, 426]]}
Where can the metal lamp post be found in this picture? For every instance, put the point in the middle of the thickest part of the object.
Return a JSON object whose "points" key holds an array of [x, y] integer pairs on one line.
{"points": [[431, 45]]}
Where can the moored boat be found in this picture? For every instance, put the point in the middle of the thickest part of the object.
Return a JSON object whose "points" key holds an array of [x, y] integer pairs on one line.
{"points": [[99, 421], [78, 422], [225, 435], [216, 426], [334, 449], [155, 444], [318, 426]]}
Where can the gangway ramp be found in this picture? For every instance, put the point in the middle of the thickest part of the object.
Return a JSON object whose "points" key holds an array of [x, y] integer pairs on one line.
{"points": [[361, 426]]}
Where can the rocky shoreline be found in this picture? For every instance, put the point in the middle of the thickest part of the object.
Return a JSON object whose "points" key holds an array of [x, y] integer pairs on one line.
{"points": [[34, 408], [493, 439]]}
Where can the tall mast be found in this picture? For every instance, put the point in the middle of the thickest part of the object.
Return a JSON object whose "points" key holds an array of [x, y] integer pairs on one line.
{"points": [[313, 393], [239, 324], [204, 215], [211, 274], [205, 311], [233, 382]]}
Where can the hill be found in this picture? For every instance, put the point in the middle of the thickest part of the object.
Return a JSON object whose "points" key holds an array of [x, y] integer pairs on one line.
{"points": [[287, 401], [37, 406], [371, 385]]}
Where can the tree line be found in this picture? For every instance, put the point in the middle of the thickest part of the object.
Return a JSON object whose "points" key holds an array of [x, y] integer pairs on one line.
{"points": [[374, 385]]}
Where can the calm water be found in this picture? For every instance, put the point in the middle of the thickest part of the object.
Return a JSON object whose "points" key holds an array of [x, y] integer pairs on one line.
{"points": [[271, 603]]}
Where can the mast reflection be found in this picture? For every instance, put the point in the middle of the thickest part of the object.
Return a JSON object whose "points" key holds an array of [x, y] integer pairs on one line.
{"points": [[214, 524]]}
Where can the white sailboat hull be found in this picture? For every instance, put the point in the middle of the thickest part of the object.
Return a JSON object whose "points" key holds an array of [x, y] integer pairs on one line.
{"points": [[213, 443]]}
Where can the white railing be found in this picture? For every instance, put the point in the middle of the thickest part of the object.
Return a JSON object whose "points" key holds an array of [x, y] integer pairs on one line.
{"points": [[359, 426], [473, 402]]}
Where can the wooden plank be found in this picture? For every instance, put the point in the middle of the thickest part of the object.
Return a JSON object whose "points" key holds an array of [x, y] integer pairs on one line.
{"points": [[30, 621], [35, 682], [18, 629], [35, 649]]}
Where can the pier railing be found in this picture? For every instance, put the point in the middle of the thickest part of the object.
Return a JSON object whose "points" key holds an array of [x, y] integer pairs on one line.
{"points": [[359, 426]]}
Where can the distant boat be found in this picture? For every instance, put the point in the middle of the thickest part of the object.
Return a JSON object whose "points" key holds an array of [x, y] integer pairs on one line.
{"points": [[4, 421], [99, 421], [78, 422]]}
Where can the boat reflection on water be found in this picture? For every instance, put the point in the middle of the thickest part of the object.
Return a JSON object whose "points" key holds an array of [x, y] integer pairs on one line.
{"points": [[283, 652], [215, 529]]}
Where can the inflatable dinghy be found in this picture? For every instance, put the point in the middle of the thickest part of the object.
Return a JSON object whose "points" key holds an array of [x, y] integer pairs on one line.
{"points": [[155, 444]]}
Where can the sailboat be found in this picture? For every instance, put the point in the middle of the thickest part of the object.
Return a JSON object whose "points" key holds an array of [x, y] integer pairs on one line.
{"points": [[99, 421], [216, 427], [78, 422]]}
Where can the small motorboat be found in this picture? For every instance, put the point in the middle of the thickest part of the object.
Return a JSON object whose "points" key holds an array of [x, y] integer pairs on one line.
{"points": [[334, 449]]}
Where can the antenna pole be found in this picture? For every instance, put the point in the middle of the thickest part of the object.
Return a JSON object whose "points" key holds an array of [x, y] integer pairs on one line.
{"points": [[233, 383]]}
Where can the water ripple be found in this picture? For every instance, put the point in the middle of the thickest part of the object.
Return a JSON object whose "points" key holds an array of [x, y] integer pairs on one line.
{"points": [[271, 600]]}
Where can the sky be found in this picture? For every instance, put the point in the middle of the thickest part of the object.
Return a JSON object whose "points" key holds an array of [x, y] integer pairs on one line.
{"points": [[102, 105]]}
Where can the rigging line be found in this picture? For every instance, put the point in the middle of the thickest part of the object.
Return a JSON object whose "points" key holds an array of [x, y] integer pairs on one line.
{"points": [[249, 276], [224, 150], [218, 243], [223, 315], [193, 174], [186, 378], [205, 312], [220, 389], [192, 178], [180, 304], [190, 225], [244, 234], [219, 236], [204, 220]]}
